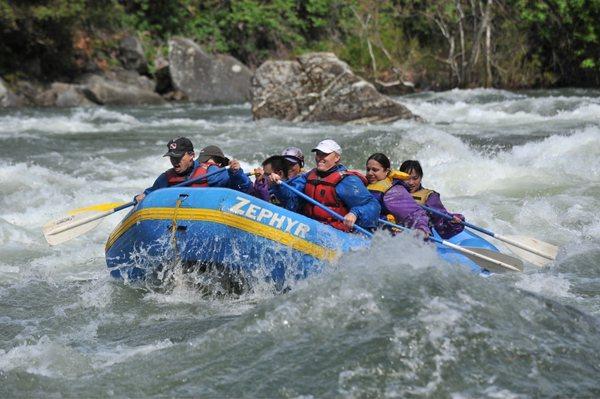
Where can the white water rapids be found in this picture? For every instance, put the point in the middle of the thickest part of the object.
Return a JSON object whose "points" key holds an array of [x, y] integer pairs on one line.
{"points": [[393, 322]]}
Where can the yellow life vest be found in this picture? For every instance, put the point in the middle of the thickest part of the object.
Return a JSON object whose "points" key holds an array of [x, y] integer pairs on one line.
{"points": [[422, 195], [381, 185], [386, 184], [396, 174]]}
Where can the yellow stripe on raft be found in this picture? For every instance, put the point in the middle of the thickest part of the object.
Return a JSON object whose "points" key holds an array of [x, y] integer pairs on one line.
{"points": [[228, 219]]}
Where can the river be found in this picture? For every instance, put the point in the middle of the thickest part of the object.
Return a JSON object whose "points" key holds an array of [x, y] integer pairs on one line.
{"points": [[395, 321]]}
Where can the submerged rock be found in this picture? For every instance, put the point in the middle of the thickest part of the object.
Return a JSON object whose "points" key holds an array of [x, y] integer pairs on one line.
{"points": [[207, 78], [320, 87]]}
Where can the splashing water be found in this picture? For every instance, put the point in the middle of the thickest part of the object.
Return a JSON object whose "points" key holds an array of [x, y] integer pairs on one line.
{"points": [[391, 322]]}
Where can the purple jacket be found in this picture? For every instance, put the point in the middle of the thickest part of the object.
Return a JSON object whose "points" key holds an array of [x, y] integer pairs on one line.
{"points": [[444, 228], [398, 201], [260, 189]]}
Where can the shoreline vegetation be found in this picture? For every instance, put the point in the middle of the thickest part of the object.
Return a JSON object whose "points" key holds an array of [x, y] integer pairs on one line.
{"points": [[400, 46]]}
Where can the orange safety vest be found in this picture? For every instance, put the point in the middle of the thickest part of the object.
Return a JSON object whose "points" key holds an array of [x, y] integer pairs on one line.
{"points": [[173, 178], [322, 190]]}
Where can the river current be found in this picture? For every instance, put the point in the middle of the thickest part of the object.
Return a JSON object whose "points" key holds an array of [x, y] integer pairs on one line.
{"points": [[395, 321]]}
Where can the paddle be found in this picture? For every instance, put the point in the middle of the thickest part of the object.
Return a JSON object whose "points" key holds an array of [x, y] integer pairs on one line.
{"points": [[110, 205], [532, 250], [326, 209], [484, 258], [72, 226], [98, 207], [82, 220]]}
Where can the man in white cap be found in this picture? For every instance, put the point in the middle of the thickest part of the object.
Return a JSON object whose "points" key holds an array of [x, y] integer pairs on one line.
{"points": [[335, 187]]}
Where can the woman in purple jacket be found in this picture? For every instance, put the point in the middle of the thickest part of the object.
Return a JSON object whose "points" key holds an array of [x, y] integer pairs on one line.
{"points": [[393, 196], [430, 198]]}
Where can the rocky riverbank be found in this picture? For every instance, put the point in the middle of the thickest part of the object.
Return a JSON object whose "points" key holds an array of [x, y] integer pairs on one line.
{"points": [[315, 87]]}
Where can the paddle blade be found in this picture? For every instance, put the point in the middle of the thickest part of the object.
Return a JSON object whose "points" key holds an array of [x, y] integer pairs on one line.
{"points": [[507, 262], [548, 250], [98, 207], [72, 226]]}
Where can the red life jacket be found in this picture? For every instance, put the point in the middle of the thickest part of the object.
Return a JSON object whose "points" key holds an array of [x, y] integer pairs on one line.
{"points": [[322, 190], [173, 178]]}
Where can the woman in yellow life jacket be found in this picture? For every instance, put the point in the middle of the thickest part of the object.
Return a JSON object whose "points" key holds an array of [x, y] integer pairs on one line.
{"points": [[387, 187], [430, 198]]}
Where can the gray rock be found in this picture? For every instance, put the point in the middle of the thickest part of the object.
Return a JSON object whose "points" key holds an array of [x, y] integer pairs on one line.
{"points": [[64, 95], [207, 78], [279, 90], [3, 94], [111, 92], [8, 98], [29, 89], [131, 54], [320, 87], [131, 78]]}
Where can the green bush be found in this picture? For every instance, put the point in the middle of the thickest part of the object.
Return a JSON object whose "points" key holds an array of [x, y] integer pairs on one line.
{"points": [[545, 42]]}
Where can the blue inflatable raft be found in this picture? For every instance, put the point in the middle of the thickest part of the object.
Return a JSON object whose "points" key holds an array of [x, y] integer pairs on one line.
{"points": [[231, 231]]}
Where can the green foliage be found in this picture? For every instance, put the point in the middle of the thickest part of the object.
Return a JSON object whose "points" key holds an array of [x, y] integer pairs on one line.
{"points": [[8, 19], [317, 12], [259, 27], [37, 37], [533, 42], [161, 18], [564, 35], [206, 30], [588, 63]]}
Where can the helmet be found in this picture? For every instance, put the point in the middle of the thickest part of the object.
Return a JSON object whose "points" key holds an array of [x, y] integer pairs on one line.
{"points": [[294, 154]]}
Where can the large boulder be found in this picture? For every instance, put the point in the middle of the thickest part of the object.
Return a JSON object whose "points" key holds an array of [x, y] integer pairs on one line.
{"points": [[207, 78], [130, 77], [320, 87], [64, 95], [131, 54], [103, 91]]}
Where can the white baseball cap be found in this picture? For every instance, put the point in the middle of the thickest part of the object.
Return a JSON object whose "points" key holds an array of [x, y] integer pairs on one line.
{"points": [[328, 146]]}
